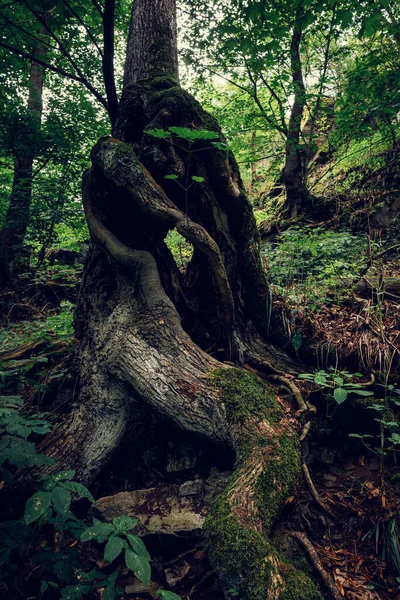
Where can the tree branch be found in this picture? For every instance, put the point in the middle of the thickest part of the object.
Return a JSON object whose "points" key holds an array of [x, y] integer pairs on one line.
{"points": [[86, 28], [67, 55], [79, 79]]}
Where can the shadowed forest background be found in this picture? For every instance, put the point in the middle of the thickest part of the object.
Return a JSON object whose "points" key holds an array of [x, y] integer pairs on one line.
{"points": [[199, 299]]}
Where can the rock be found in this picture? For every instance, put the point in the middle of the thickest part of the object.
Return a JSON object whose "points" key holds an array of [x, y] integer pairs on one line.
{"points": [[168, 509], [191, 488], [136, 588]]}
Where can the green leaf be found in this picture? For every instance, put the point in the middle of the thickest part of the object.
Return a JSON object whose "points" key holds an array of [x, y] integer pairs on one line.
{"points": [[159, 133], [340, 395], [79, 489], [198, 179], [108, 594], [139, 565], [362, 392], [61, 499], [124, 523], [113, 577], [297, 341], [4, 555], [193, 134], [99, 530], [113, 548], [36, 506], [166, 595], [172, 176], [138, 546], [320, 379], [62, 475]]}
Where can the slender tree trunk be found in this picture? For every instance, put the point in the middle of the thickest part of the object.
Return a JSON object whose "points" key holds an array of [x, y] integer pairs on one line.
{"points": [[152, 42], [294, 173], [17, 217], [152, 335]]}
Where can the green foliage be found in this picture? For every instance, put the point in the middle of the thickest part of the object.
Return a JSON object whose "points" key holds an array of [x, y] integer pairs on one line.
{"points": [[306, 263], [57, 325], [15, 428], [337, 385], [118, 538], [181, 250], [389, 425]]}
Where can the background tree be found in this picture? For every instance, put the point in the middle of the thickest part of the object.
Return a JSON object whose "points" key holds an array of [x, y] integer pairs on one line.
{"points": [[55, 38]]}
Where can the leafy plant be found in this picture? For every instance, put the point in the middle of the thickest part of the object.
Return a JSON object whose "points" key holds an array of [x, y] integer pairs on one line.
{"points": [[15, 428], [118, 538], [336, 384]]}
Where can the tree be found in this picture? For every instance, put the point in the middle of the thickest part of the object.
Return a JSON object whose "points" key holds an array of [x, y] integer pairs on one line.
{"points": [[263, 48], [17, 217], [149, 334], [51, 37]]}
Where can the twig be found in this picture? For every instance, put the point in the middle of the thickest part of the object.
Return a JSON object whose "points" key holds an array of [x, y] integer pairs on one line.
{"points": [[372, 258], [326, 578], [314, 492]]}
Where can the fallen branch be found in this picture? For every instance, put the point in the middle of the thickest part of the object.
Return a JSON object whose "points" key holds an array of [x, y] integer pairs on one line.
{"points": [[20, 350]]}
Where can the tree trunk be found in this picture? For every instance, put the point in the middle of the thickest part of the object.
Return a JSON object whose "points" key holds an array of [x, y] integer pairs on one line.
{"points": [[293, 175], [17, 217], [151, 334]]}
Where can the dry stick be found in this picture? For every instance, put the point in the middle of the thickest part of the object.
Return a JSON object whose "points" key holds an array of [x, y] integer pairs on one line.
{"points": [[314, 492], [326, 578], [372, 258]]}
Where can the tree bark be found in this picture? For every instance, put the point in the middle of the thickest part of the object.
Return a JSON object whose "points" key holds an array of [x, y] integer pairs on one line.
{"points": [[151, 334], [152, 42], [294, 173], [17, 217]]}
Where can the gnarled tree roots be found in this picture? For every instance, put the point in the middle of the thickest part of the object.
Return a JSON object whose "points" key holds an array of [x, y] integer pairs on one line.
{"points": [[151, 334]]}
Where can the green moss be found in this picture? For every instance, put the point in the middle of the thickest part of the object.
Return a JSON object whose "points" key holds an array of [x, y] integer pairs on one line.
{"points": [[238, 554], [296, 581], [243, 395], [279, 479]]}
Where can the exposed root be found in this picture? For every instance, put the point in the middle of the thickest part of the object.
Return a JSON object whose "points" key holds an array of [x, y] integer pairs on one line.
{"points": [[305, 431], [209, 575], [314, 492], [292, 387], [326, 578]]}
